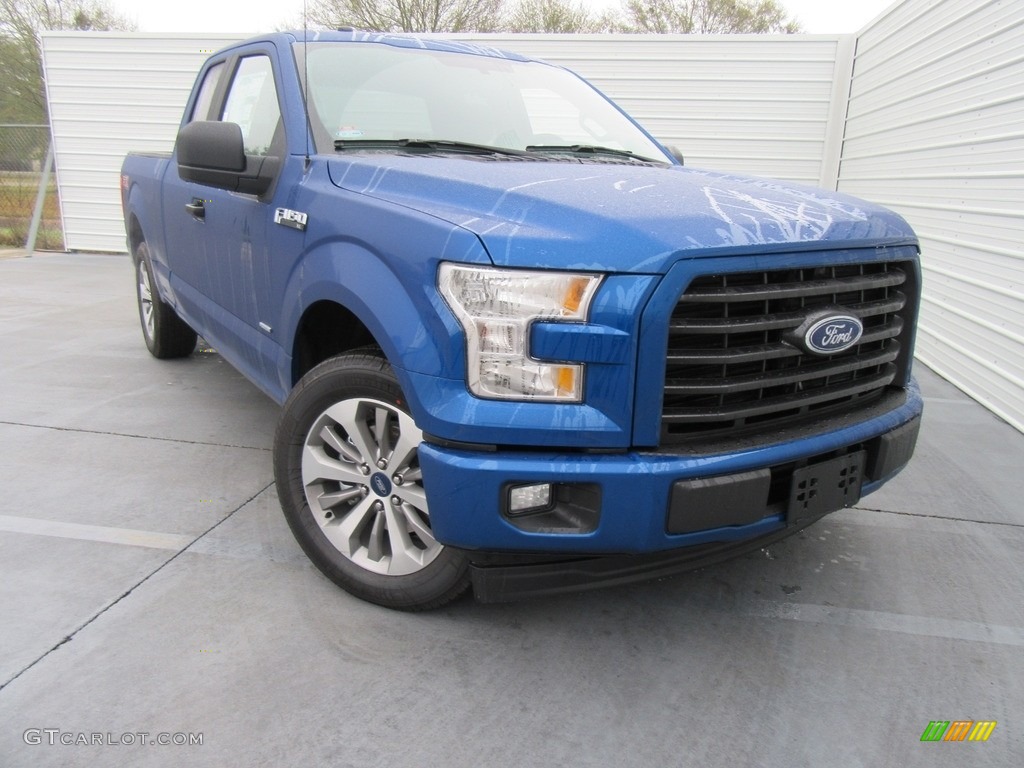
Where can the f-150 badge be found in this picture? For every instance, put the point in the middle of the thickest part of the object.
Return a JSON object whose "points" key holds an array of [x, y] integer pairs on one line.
{"points": [[289, 218]]}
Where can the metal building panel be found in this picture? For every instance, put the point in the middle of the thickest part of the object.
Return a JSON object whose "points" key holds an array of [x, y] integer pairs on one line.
{"points": [[935, 130], [110, 93]]}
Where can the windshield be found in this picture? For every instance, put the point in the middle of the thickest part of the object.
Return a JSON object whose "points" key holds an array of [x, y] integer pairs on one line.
{"points": [[365, 92]]}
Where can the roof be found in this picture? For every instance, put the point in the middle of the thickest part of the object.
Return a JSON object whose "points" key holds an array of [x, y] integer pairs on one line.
{"points": [[381, 38]]}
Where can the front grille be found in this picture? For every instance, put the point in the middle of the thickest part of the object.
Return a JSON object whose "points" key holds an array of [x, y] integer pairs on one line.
{"points": [[729, 366]]}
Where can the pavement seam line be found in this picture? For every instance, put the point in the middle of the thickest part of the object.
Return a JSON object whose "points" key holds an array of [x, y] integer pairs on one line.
{"points": [[129, 435], [70, 636], [939, 517]]}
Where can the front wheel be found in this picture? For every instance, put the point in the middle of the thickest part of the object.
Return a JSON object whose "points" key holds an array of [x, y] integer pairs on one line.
{"points": [[348, 475]]}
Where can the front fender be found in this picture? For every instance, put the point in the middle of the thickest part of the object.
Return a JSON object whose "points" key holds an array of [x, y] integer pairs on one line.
{"points": [[395, 299]]}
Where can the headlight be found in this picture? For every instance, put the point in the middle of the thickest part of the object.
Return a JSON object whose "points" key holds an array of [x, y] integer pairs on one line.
{"points": [[496, 308]]}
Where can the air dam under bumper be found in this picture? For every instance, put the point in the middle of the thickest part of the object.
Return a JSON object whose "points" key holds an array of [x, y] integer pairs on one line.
{"points": [[637, 503]]}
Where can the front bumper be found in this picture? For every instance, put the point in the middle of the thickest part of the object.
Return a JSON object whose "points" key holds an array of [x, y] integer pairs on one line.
{"points": [[499, 579], [644, 503]]}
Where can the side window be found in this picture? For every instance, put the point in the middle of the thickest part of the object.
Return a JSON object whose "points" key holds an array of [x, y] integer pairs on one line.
{"points": [[252, 103], [201, 110]]}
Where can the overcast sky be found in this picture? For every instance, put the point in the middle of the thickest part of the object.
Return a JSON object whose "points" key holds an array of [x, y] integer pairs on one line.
{"points": [[243, 16]]}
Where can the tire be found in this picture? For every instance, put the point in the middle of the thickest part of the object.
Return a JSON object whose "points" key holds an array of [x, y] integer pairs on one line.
{"points": [[167, 335], [349, 481]]}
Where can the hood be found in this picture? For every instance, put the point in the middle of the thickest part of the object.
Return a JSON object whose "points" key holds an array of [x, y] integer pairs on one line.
{"points": [[614, 216]]}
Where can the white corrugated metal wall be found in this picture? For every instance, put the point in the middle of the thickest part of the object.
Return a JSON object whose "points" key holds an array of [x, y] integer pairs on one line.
{"points": [[935, 130], [760, 104], [110, 93]]}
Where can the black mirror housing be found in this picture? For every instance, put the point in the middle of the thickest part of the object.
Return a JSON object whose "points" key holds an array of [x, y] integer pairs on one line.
{"points": [[212, 152], [211, 145], [675, 152]]}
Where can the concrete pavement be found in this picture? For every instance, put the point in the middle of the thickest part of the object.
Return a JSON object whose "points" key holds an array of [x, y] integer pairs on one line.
{"points": [[150, 586]]}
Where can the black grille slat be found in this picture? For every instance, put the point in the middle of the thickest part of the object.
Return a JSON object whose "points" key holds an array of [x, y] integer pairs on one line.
{"points": [[846, 285], [733, 360], [732, 356], [715, 356], [786, 403], [774, 322], [780, 377]]}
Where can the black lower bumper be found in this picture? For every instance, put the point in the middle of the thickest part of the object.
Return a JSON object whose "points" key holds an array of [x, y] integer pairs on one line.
{"points": [[497, 580]]}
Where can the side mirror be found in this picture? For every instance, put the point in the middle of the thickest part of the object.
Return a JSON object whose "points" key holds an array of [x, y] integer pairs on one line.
{"points": [[674, 151], [212, 153]]}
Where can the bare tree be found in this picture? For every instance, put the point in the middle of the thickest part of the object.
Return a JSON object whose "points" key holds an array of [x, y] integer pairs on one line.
{"points": [[708, 16], [408, 15], [560, 16], [22, 95], [682, 16]]}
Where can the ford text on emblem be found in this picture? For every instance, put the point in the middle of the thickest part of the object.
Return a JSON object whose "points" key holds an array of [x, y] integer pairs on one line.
{"points": [[380, 484], [833, 334]]}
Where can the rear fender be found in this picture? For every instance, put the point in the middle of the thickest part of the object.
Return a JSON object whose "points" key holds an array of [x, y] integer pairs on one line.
{"points": [[144, 204]]}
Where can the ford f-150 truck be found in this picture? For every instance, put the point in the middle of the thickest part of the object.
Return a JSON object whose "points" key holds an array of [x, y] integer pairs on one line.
{"points": [[518, 344]]}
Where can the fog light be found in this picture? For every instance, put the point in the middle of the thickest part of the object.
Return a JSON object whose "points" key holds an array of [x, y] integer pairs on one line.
{"points": [[529, 498]]}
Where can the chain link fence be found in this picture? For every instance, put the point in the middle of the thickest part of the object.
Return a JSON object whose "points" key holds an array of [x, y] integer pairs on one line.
{"points": [[23, 151]]}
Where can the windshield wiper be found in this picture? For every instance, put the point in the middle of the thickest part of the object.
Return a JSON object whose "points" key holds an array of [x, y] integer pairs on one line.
{"points": [[427, 145], [589, 149]]}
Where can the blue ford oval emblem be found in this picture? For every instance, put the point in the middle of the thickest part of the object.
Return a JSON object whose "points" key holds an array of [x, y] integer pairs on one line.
{"points": [[380, 483], [833, 334]]}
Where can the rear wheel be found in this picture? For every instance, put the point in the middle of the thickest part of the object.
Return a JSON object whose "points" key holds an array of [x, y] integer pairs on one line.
{"points": [[166, 334], [348, 475]]}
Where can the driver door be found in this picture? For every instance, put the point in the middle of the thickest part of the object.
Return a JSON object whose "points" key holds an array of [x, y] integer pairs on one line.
{"points": [[216, 239]]}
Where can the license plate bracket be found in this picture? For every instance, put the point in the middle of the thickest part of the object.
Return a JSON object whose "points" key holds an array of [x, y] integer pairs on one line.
{"points": [[826, 486]]}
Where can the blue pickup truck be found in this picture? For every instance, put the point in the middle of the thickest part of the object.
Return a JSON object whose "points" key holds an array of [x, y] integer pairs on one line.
{"points": [[519, 346]]}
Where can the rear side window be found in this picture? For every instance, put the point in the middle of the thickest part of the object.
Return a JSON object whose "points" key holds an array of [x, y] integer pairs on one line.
{"points": [[252, 103], [201, 110]]}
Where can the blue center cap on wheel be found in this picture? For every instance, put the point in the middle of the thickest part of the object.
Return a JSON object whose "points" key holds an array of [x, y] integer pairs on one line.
{"points": [[381, 484]]}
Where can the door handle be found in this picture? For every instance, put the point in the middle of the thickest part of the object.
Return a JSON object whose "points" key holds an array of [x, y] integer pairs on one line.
{"points": [[197, 208]]}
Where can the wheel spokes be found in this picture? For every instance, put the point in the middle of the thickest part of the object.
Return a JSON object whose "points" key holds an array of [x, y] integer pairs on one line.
{"points": [[344, 532], [329, 501], [347, 416], [415, 522], [330, 436], [404, 452], [382, 434], [146, 300], [318, 466], [383, 530], [413, 495]]}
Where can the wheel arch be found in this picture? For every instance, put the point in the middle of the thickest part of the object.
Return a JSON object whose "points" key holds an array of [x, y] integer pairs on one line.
{"points": [[134, 232], [344, 296], [325, 330], [141, 215]]}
